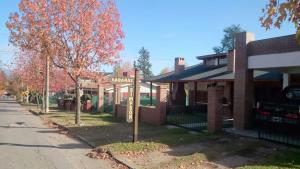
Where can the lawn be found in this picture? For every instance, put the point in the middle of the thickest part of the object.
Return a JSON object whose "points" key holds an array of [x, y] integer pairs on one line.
{"points": [[287, 159], [176, 147], [107, 131]]}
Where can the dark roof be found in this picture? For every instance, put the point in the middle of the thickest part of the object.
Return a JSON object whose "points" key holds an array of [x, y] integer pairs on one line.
{"points": [[210, 73], [185, 74], [258, 75], [211, 56]]}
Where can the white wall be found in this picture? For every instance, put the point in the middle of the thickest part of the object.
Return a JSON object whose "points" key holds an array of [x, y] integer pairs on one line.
{"points": [[278, 60]]}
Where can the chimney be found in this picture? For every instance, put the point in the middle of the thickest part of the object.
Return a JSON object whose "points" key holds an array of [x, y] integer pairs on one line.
{"points": [[231, 60], [179, 64]]}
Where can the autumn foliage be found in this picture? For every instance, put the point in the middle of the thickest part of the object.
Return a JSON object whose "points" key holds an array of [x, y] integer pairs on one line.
{"points": [[78, 36], [30, 68], [3, 81], [278, 11]]}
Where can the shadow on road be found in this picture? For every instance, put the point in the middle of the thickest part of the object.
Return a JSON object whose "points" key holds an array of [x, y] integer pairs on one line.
{"points": [[9, 110], [61, 146], [27, 127], [8, 101]]}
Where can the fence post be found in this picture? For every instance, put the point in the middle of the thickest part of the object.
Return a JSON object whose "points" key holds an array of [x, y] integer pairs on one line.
{"points": [[161, 103]]}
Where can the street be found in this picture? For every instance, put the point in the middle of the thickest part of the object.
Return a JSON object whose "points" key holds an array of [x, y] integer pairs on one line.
{"points": [[25, 143]]}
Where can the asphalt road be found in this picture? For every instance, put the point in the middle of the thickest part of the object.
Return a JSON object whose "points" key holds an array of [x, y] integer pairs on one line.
{"points": [[25, 143]]}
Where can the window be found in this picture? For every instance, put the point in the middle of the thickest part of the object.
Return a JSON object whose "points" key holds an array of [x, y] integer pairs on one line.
{"points": [[293, 94], [223, 61]]}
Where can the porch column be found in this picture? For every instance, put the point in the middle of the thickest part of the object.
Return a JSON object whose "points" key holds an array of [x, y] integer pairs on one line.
{"points": [[286, 80], [192, 91], [179, 93], [151, 94], [170, 100], [100, 98], [243, 83], [215, 108], [161, 102]]}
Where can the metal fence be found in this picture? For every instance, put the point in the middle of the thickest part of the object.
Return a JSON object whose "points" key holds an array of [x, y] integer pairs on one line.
{"points": [[190, 117], [282, 130]]}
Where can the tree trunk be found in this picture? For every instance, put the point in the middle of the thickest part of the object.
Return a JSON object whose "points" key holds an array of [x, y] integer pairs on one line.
{"points": [[27, 95], [47, 85], [37, 101], [43, 100], [78, 103]]}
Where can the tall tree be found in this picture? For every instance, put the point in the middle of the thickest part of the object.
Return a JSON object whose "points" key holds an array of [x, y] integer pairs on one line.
{"points": [[278, 11], [78, 35], [143, 63], [29, 30], [88, 34], [227, 43]]}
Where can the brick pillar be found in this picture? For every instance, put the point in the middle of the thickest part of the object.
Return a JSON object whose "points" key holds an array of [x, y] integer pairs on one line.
{"points": [[215, 108], [179, 93], [161, 102], [243, 83], [100, 98], [192, 93]]}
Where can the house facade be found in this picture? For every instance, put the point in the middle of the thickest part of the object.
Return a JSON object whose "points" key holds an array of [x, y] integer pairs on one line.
{"points": [[232, 83]]}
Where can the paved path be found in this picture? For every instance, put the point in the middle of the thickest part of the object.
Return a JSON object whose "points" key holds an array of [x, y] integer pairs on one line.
{"points": [[25, 143]]}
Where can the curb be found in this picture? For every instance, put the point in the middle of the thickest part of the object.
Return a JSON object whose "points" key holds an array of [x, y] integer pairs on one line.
{"points": [[34, 112], [91, 145]]}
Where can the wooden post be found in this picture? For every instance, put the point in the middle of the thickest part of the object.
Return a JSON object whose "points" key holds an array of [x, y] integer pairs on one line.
{"points": [[151, 94], [130, 100], [136, 104]]}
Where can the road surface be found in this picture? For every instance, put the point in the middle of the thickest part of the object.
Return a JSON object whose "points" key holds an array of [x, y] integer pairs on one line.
{"points": [[25, 143]]}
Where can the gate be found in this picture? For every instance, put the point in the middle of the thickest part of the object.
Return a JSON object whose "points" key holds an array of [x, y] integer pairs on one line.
{"points": [[193, 117], [282, 130], [107, 105], [190, 117]]}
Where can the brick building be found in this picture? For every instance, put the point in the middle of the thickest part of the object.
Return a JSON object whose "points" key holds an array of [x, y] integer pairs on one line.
{"points": [[228, 85]]}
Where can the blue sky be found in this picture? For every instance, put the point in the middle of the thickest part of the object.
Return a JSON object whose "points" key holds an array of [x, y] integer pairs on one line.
{"points": [[171, 28]]}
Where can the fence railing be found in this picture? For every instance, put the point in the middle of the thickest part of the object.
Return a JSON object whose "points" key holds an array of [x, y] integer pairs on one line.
{"points": [[283, 130], [191, 117]]}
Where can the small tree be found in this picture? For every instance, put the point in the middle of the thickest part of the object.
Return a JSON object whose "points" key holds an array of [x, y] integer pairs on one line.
{"points": [[3, 81], [143, 63], [278, 11], [227, 43], [165, 70], [88, 34]]}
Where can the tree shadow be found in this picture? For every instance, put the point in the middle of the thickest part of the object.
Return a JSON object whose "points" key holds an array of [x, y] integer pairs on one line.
{"points": [[61, 146], [22, 127], [181, 143]]}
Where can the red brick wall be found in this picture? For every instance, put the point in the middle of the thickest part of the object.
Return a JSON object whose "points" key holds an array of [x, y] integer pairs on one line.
{"points": [[149, 115], [121, 111], [152, 115]]}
